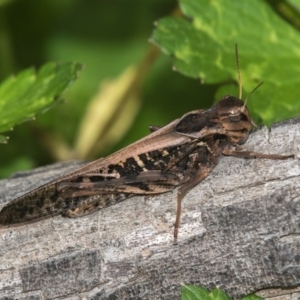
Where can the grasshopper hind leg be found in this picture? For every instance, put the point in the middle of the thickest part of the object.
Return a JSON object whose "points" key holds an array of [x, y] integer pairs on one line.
{"points": [[251, 154], [183, 190]]}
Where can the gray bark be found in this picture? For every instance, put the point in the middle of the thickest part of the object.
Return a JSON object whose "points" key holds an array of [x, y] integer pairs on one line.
{"points": [[240, 231]]}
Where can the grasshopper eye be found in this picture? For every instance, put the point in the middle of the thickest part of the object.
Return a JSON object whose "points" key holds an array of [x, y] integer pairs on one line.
{"points": [[235, 118], [234, 115]]}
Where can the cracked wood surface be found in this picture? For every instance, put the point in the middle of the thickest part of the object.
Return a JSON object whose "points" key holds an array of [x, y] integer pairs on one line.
{"points": [[240, 231]]}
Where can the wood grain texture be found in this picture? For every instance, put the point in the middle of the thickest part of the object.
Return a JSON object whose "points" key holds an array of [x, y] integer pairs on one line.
{"points": [[240, 231]]}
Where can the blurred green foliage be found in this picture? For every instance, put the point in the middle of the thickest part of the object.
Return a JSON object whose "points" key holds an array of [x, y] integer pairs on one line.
{"points": [[32, 92], [268, 51], [193, 292], [108, 36]]}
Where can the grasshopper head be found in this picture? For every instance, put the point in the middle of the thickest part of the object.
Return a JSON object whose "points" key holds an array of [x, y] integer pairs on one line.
{"points": [[234, 114], [235, 119]]}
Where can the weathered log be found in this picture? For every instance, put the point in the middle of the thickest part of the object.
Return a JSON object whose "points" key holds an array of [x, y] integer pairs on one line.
{"points": [[240, 231]]}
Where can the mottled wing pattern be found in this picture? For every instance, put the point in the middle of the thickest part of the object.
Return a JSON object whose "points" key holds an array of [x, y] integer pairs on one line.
{"points": [[141, 174], [31, 208]]}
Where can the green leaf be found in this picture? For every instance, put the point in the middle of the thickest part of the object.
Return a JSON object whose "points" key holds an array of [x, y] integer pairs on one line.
{"points": [[218, 294], [29, 93], [192, 292], [202, 45]]}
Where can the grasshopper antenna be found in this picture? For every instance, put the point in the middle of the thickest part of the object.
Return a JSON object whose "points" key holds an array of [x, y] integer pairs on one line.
{"points": [[240, 83], [240, 78], [247, 98], [239, 71]]}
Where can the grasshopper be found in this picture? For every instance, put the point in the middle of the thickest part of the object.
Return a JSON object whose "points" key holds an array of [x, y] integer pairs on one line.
{"points": [[180, 154]]}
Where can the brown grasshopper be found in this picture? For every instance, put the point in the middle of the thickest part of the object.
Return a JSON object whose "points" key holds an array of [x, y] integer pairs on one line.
{"points": [[181, 153]]}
